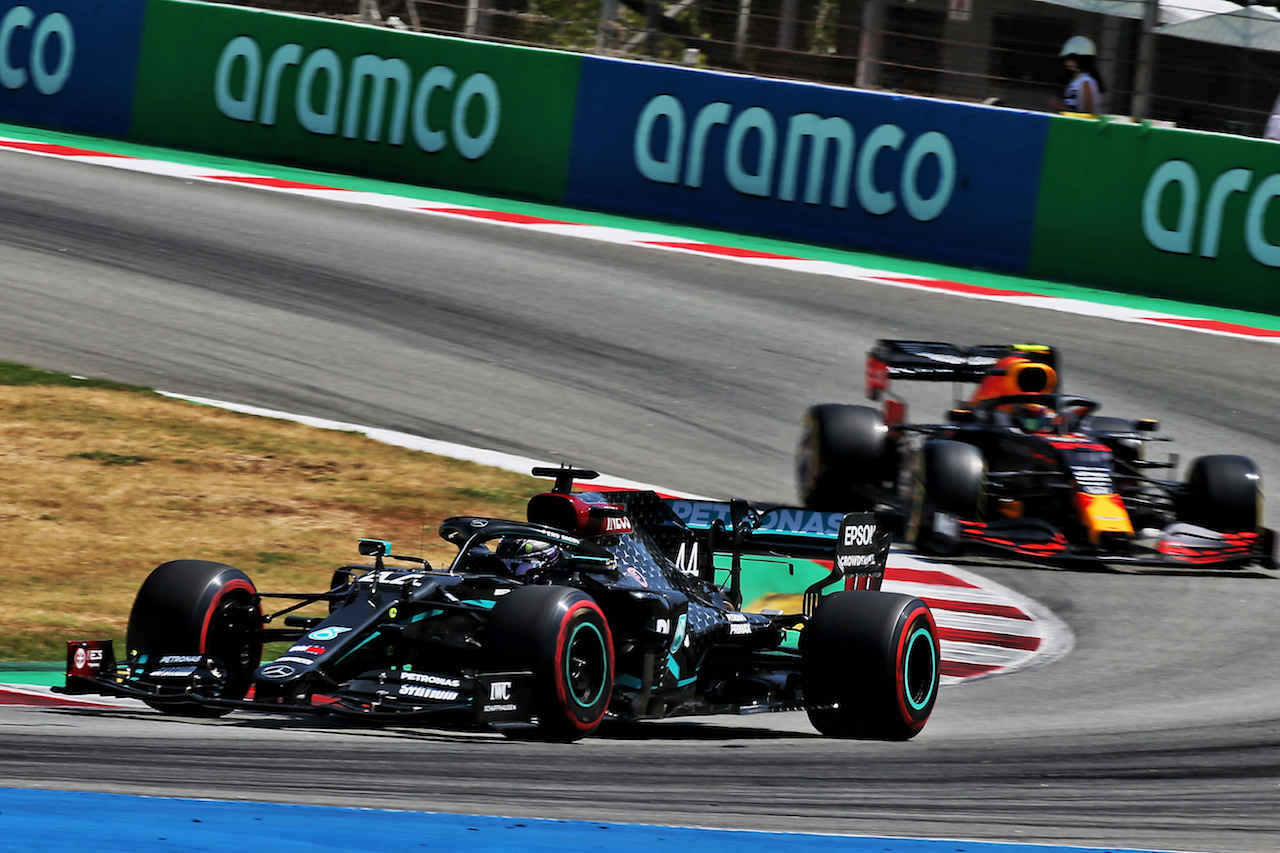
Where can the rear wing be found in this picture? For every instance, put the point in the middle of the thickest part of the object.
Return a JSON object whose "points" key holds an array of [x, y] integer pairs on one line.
{"points": [[788, 530], [824, 551], [934, 361], [786, 551]]}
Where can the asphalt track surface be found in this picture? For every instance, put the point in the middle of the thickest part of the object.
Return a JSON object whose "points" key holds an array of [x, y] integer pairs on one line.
{"points": [[1160, 730]]}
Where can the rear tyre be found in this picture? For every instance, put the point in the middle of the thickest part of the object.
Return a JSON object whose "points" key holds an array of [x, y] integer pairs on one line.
{"points": [[195, 607], [562, 636], [950, 478], [840, 457], [1224, 493], [872, 659]]}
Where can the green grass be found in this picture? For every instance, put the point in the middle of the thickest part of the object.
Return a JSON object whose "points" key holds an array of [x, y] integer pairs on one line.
{"points": [[111, 458], [21, 374]]}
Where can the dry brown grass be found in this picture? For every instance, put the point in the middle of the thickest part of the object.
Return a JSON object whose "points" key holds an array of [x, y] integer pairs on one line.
{"points": [[97, 487]]}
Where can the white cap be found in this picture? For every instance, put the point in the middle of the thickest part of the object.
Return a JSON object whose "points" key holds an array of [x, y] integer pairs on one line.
{"points": [[1078, 46]]}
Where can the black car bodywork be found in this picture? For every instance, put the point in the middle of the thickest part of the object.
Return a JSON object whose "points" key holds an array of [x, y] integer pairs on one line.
{"points": [[637, 616], [1022, 469]]}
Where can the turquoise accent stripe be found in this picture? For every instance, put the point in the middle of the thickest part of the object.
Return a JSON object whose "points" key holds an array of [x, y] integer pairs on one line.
{"points": [[72, 822], [673, 666], [568, 661], [920, 635]]}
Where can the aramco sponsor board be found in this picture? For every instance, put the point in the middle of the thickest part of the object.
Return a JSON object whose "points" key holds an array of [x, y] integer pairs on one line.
{"points": [[1149, 210], [70, 65], [358, 99], [894, 174], [1171, 213]]}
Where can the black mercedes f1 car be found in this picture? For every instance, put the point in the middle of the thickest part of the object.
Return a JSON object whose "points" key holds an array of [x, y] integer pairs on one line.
{"points": [[619, 604], [1022, 469]]}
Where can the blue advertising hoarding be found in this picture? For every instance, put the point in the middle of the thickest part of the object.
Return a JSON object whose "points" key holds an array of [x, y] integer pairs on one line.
{"points": [[69, 65], [944, 181]]}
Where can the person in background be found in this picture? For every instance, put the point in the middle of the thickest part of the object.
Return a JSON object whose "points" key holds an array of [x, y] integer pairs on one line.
{"points": [[1273, 123], [1083, 93]]}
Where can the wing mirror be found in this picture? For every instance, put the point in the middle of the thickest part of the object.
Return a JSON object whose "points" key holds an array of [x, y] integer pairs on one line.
{"points": [[374, 548]]}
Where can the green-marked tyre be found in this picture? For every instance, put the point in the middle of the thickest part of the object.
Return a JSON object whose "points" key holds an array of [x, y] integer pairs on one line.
{"points": [[870, 665], [562, 636]]}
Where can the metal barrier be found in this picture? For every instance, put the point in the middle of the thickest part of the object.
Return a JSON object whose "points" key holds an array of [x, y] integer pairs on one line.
{"points": [[999, 51]]}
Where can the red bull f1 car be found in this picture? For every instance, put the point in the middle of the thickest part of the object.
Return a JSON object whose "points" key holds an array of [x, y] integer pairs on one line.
{"points": [[622, 605], [1022, 469]]}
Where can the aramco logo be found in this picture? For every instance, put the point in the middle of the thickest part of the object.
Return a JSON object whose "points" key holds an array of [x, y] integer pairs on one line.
{"points": [[1198, 226], [764, 157], [329, 98], [40, 52]]}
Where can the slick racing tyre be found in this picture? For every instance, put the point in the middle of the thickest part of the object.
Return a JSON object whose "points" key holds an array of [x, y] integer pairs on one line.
{"points": [[194, 607], [1224, 493], [840, 457], [950, 478], [870, 661], [561, 635]]}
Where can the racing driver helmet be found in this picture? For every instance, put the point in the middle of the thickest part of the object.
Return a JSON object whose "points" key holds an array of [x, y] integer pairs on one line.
{"points": [[525, 556], [1034, 417]]}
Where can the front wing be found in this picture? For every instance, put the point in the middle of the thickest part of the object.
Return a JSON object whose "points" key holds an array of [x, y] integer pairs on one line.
{"points": [[194, 682], [1177, 546]]}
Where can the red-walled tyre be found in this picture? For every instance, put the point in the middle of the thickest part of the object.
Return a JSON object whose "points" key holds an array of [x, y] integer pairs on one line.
{"points": [[871, 664], [195, 607], [562, 636]]}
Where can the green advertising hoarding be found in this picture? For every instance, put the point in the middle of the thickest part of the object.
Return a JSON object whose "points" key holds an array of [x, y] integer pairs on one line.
{"points": [[356, 99], [1172, 213]]}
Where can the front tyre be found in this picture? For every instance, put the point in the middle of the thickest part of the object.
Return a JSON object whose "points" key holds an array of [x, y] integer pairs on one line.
{"points": [[870, 664], [949, 483], [562, 636], [1224, 493], [195, 607], [841, 457]]}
